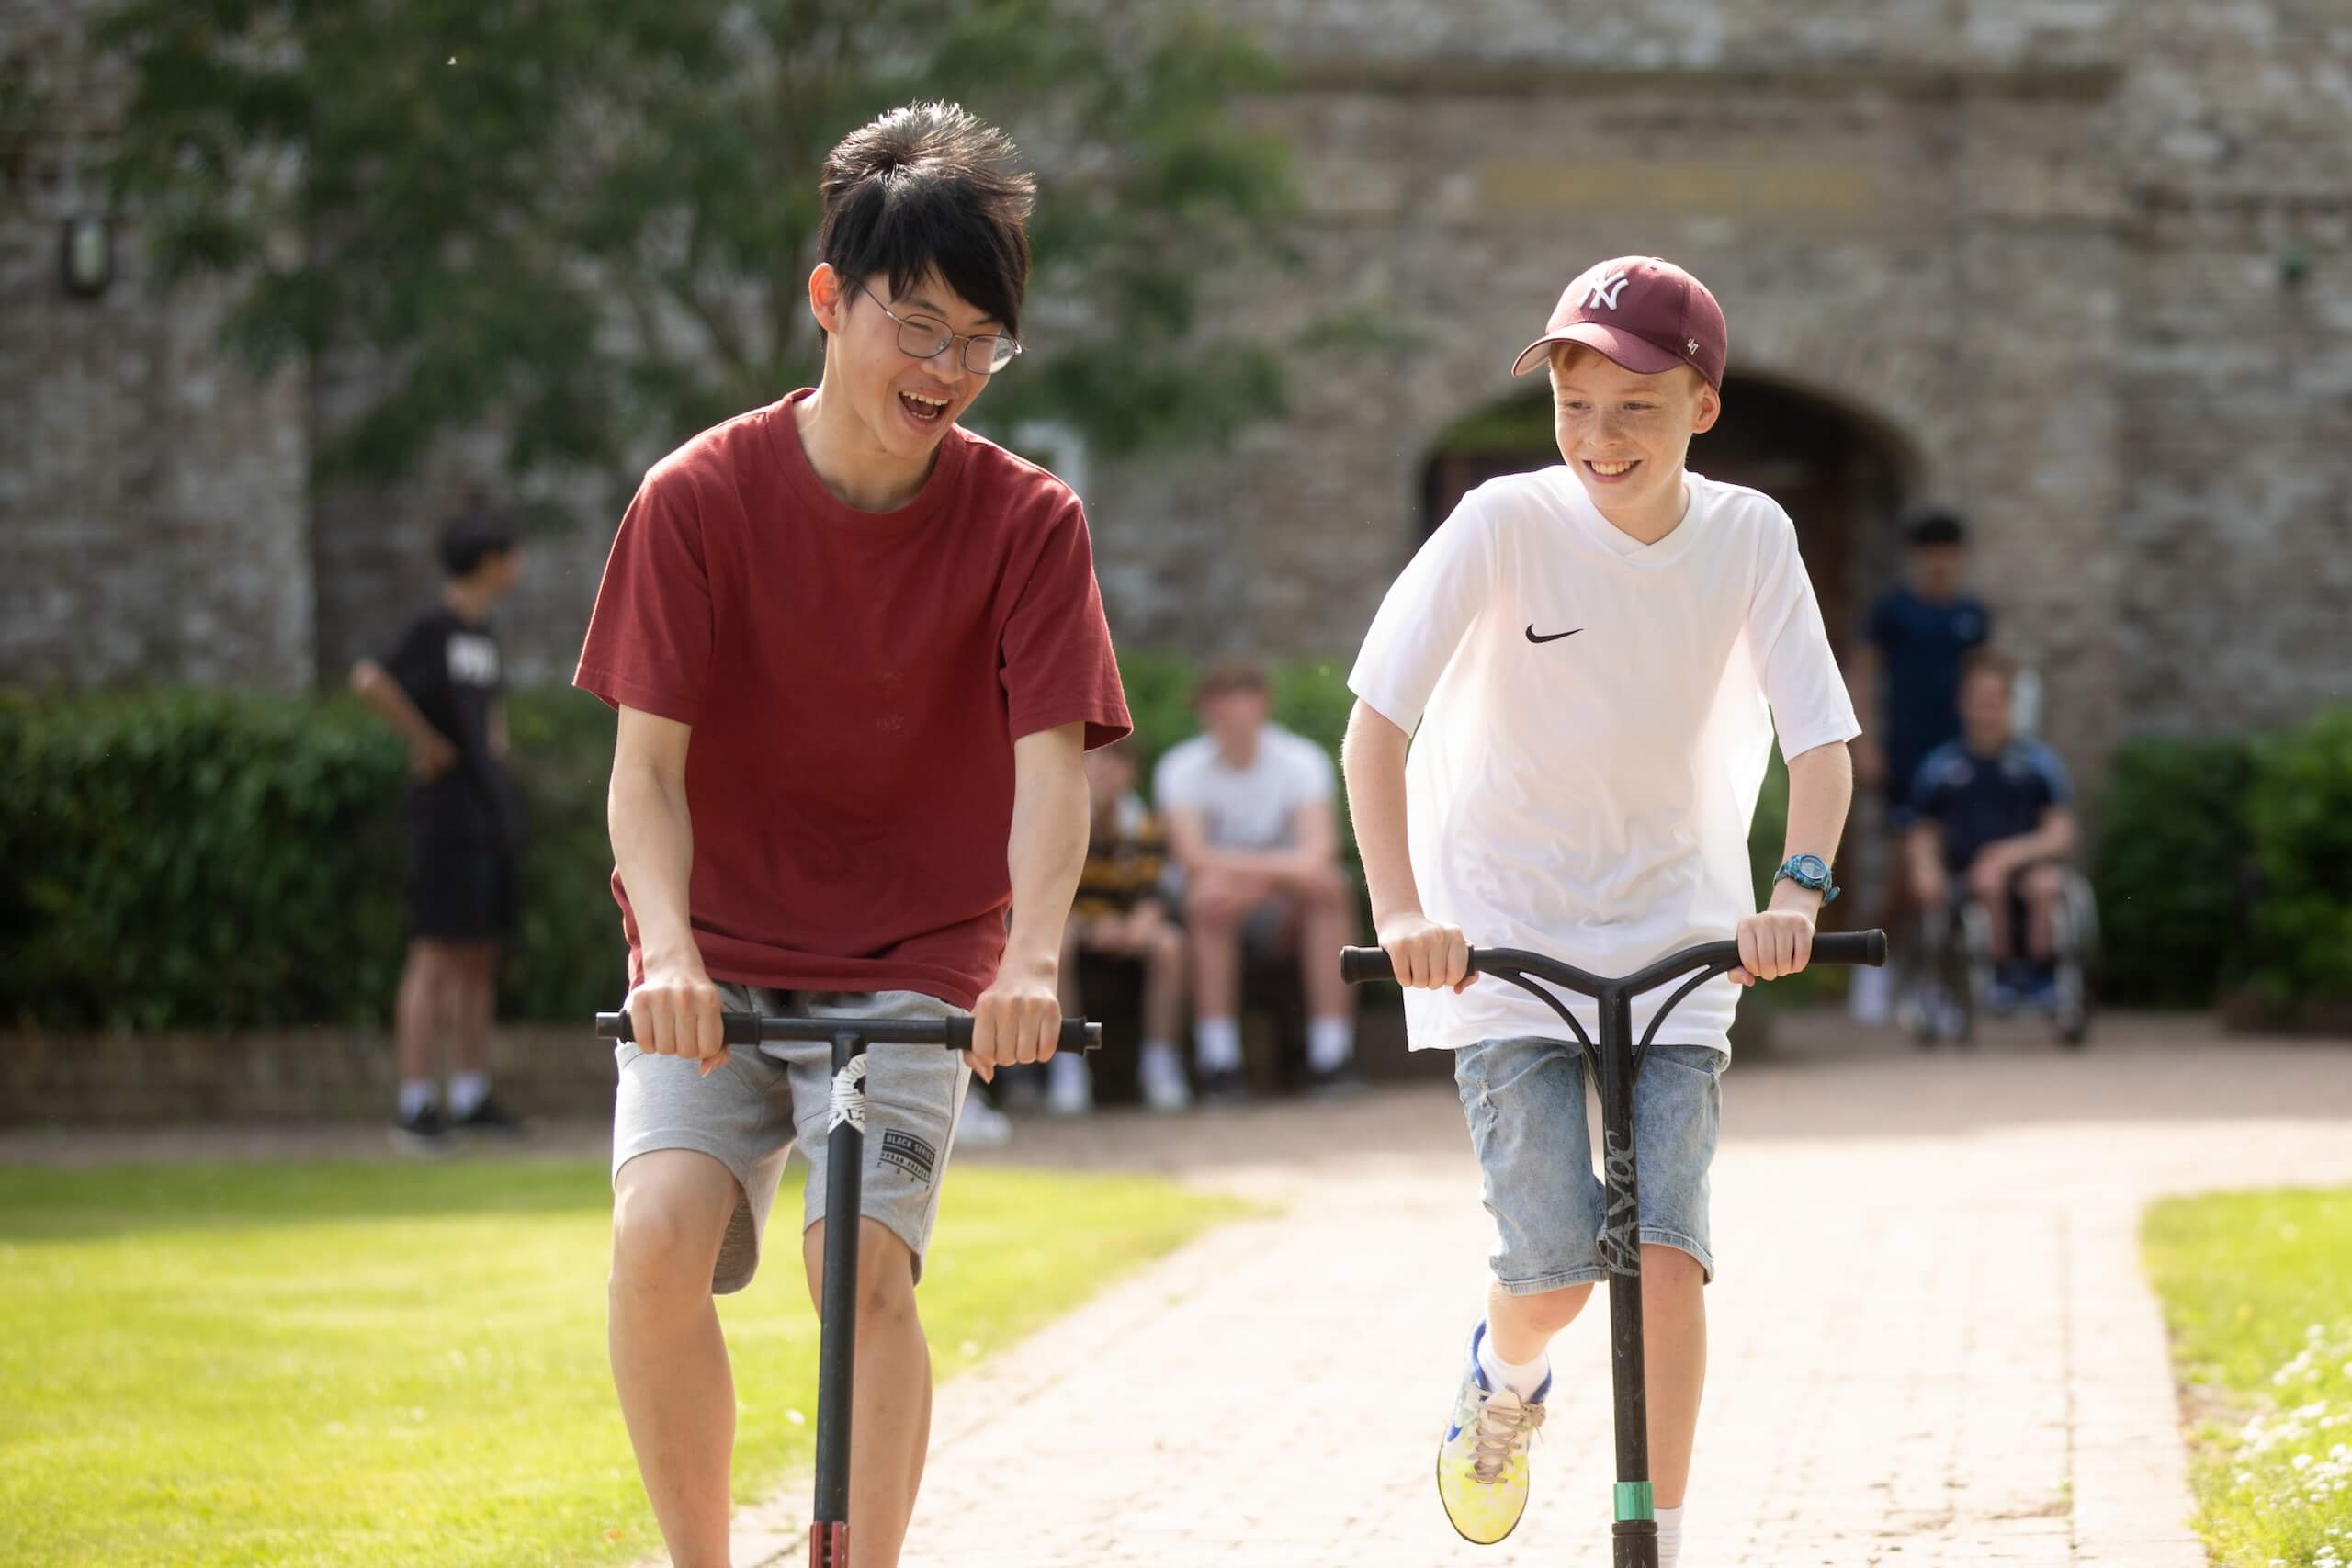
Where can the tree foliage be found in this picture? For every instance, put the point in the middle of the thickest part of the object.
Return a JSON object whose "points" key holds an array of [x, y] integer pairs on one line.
{"points": [[588, 224]]}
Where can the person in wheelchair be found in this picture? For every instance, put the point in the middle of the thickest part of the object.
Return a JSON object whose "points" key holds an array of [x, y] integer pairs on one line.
{"points": [[1992, 824]]}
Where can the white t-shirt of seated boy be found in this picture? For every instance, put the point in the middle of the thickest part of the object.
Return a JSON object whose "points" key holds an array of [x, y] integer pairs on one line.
{"points": [[1253, 808], [1591, 720]]}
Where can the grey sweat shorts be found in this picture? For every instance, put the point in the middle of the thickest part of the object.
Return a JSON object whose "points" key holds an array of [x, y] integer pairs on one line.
{"points": [[750, 1113]]}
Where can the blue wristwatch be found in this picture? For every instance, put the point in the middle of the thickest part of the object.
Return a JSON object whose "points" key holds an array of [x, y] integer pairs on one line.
{"points": [[1808, 871]]}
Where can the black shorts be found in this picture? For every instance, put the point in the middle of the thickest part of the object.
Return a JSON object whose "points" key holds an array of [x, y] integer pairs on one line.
{"points": [[464, 881]]}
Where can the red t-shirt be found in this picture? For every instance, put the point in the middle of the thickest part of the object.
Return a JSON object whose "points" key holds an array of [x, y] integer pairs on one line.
{"points": [[855, 682]]}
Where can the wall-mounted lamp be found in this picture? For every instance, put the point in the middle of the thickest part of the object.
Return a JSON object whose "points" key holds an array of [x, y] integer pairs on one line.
{"points": [[86, 256]]}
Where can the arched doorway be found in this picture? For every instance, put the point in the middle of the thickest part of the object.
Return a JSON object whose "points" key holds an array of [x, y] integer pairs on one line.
{"points": [[1843, 476]]}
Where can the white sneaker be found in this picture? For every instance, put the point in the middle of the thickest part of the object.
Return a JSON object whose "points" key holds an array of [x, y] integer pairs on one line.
{"points": [[1482, 1470], [1161, 1075], [982, 1125], [1069, 1087]]}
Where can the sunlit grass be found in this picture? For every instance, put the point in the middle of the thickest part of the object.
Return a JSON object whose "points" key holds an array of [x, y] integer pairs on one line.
{"points": [[2257, 1290], [373, 1364]]}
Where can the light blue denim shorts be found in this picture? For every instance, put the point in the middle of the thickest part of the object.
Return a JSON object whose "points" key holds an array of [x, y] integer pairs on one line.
{"points": [[1525, 1101]]}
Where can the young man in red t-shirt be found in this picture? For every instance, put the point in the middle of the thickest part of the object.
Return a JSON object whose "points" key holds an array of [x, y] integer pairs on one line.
{"points": [[857, 653]]}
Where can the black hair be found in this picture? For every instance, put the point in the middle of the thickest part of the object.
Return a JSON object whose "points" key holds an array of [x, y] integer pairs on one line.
{"points": [[927, 185], [477, 532], [1938, 528]]}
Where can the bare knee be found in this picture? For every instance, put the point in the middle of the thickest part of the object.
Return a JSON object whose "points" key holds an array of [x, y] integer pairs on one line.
{"points": [[886, 1274], [1214, 908], [668, 1222], [1670, 1271], [1546, 1312], [1324, 889]]}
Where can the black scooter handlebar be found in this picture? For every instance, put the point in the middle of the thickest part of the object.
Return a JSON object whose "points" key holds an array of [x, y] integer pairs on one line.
{"points": [[1357, 965], [954, 1033]]}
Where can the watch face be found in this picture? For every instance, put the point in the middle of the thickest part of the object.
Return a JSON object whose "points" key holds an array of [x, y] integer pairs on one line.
{"points": [[1809, 867]]}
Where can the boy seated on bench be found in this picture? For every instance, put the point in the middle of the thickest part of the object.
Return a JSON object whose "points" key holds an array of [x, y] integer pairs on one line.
{"points": [[1123, 912], [1252, 821]]}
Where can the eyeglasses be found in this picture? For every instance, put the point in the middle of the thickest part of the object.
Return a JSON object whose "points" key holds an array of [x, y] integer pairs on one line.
{"points": [[985, 354]]}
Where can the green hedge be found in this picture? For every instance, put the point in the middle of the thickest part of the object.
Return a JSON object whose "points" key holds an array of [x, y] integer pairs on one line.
{"points": [[2301, 816], [208, 860], [193, 856], [199, 859], [2226, 865], [2172, 868]]}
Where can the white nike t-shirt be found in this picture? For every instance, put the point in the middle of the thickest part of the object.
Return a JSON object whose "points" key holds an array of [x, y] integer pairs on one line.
{"points": [[1591, 728], [1254, 807]]}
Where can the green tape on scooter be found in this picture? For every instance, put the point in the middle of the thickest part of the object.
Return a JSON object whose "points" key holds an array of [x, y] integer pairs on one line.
{"points": [[1634, 1501]]}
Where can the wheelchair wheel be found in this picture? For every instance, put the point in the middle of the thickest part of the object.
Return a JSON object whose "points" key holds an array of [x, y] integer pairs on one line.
{"points": [[2076, 940], [1972, 968], [1919, 984]]}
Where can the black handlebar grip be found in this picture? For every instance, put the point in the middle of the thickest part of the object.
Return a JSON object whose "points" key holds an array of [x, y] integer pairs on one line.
{"points": [[1850, 947], [735, 1027], [1357, 965], [1076, 1034]]}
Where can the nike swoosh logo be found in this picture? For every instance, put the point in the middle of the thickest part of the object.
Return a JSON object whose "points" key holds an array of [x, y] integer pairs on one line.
{"points": [[1552, 636]]}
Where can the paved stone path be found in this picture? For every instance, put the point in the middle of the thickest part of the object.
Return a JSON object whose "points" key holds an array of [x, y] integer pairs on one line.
{"points": [[1932, 1343]]}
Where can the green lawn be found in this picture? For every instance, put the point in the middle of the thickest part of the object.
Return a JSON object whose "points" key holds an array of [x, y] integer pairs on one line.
{"points": [[374, 1364], [2257, 1289]]}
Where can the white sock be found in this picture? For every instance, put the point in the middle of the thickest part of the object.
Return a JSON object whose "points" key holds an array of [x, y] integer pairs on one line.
{"points": [[1216, 1044], [467, 1091], [1669, 1537], [1522, 1378], [1330, 1042], [416, 1094]]}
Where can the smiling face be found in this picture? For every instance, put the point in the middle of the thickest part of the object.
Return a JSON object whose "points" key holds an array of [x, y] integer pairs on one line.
{"points": [[903, 406], [1625, 435]]}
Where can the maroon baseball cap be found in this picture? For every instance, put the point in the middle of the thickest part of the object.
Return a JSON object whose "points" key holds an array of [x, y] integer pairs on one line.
{"points": [[1647, 314]]}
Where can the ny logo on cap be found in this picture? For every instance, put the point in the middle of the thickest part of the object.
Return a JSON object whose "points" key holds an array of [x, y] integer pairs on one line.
{"points": [[1604, 293]]}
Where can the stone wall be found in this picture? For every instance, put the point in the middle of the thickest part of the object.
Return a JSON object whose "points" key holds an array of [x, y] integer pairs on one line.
{"points": [[2233, 536], [1919, 287], [324, 1074], [2084, 265], [154, 520], [2038, 247]]}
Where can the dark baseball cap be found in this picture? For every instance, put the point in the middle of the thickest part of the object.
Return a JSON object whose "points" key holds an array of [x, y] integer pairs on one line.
{"points": [[1641, 312]]}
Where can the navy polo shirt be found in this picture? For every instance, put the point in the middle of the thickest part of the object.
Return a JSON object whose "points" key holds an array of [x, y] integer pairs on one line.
{"points": [[1921, 643], [1982, 800]]}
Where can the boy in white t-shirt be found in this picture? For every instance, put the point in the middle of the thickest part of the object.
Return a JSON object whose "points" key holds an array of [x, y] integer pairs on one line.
{"points": [[1253, 821], [1583, 659]]}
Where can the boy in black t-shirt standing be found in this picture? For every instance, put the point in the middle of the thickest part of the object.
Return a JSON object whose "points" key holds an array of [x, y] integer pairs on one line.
{"points": [[440, 689]]}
